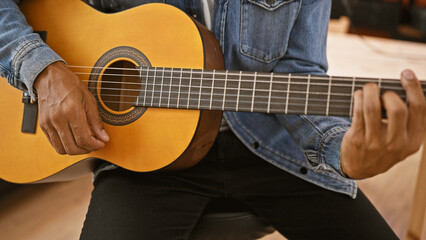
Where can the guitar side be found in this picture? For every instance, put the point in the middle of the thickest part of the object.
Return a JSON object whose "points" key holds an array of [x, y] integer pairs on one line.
{"points": [[159, 139]]}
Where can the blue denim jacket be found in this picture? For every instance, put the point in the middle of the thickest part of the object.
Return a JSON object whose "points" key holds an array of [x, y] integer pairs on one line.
{"points": [[255, 35]]}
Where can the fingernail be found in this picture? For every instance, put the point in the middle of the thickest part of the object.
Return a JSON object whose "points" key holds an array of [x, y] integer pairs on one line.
{"points": [[408, 75], [105, 135]]}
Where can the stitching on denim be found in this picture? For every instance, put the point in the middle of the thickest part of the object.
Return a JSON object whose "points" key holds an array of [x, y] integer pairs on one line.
{"points": [[271, 7], [23, 49], [260, 58], [327, 174], [223, 24], [312, 123], [4, 72], [330, 133]]}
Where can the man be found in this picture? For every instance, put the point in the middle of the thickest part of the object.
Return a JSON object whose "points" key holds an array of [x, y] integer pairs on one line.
{"points": [[279, 36]]}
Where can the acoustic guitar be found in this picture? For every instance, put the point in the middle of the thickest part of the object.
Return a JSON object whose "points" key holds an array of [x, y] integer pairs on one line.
{"points": [[156, 74]]}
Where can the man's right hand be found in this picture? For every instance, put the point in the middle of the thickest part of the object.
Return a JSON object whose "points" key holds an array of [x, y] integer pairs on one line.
{"points": [[67, 112]]}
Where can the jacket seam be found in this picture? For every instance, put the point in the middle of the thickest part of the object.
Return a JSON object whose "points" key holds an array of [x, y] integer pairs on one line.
{"points": [[312, 124], [270, 7], [19, 53], [4, 72], [223, 24], [328, 134]]}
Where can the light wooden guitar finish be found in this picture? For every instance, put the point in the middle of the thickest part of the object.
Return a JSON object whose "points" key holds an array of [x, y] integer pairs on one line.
{"points": [[81, 35]]}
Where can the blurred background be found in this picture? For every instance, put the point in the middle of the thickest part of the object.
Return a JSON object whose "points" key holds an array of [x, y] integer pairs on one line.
{"points": [[396, 19]]}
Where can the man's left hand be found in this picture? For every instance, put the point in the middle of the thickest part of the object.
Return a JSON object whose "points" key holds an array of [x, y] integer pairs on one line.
{"points": [[372, 145]]}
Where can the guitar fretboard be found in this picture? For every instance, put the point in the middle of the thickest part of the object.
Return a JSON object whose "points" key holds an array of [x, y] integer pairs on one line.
{"points": [[253, 91]]}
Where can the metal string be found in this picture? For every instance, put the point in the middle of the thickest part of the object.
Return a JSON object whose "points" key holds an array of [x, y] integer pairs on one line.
{"points": [[223, 73]]}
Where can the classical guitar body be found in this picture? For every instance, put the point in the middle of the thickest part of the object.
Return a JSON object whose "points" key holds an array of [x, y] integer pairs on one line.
{"points": [[103, 46]]}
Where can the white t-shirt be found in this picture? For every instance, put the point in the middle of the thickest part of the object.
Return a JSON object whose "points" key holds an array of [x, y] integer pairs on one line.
{"points": [[208, 6]]}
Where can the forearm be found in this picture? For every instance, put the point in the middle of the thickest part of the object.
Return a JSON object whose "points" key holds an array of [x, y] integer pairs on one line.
{"points": [[23, 54]]}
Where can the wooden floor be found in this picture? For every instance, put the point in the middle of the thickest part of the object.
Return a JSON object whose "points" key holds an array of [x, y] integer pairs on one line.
{"points": [[56, 211]]}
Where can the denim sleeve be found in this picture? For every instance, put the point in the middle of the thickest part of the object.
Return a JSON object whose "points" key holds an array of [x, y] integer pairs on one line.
{"points": [[23, 54], [318, 137]]}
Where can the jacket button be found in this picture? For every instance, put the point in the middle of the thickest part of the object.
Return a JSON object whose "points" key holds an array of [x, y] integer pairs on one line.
{"points": [[303, 170], [255, 145], [270, 2]]}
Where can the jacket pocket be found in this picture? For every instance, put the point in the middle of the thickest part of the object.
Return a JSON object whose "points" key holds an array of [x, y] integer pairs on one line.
{"points": [[266, 26]]}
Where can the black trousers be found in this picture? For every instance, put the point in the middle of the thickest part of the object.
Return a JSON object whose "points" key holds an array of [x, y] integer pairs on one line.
{"points": [[128, 205]]}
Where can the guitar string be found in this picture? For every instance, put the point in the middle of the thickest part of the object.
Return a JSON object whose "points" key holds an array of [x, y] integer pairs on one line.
{"points": [[221, 89], [397, 82], [221, 95], [157, 104], [230, 95], [147, 70], [258, 109], [276, 77], [223, 72], [251, 74], [336, 102], [384, 88], [224, 79]]}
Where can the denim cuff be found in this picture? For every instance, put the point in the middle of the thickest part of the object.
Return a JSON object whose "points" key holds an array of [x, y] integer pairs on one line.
{"points": [[327, 158], [30, 60]]}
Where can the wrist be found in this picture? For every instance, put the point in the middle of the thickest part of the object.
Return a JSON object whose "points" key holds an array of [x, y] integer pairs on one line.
{"points": [[42, 80]]}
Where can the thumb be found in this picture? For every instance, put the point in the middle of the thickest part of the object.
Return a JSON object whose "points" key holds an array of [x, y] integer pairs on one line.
{"points": [[95, 121]]}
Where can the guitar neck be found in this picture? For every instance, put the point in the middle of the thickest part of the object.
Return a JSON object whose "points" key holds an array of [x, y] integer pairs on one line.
{"points": [[253, 91]]}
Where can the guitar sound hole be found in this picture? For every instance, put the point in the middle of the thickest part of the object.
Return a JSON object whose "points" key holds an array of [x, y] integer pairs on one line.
{"points": [[120, 85]]}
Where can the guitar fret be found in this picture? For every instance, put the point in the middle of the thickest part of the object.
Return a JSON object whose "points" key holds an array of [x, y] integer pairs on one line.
{"points": [[161, 88], [328, 97], [307, 94], [211, 94], [317, 96], [270, 93], [239, 89], [254, 92], [170, 87], [250, 91], [189, 90], [341, 95], [153, 86], [180, 86], [146, 85], [140, 77], [224, 91], [288, 93], [352, 97], [201, 87]]}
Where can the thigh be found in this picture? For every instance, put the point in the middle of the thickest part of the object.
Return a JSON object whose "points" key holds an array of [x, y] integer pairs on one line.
{"points": [[301, 210], [296, 208], [127, 205]]}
